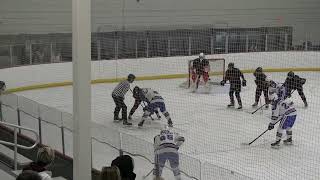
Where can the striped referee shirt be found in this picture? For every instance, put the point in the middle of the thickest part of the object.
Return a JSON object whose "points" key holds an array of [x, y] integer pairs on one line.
{"points": [[121, 89]]}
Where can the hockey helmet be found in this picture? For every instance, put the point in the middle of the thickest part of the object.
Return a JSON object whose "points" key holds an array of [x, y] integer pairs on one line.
{"points": [[230, 65], [201, 55], [259, 69], [136, 89], [165, 130], [131, 77], [291, 74], [272, 84]]}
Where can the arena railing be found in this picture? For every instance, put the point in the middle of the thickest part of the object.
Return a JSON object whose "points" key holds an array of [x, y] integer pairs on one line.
{"points": [[107, 142]]}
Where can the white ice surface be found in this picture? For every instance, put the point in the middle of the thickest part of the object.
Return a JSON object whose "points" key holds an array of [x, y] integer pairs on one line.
{"points": [[213, 132]]}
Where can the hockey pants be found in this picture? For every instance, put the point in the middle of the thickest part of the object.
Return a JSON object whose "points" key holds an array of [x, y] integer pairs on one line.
{"points": [[160, 160], [286, 123]]}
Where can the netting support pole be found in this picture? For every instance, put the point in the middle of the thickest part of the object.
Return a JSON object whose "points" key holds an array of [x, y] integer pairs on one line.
{"points": [[136, 48], [266, 43], [30, 53], [306, 44], [147, 51], [81, 73], [169, 48], [11, 55], [99, 49], [286, 42], [211, 45], [227, 44], [62, 136], [39, 124], [189, 49], [116, 43], [247, 43], [120, 144], [51, 52]]}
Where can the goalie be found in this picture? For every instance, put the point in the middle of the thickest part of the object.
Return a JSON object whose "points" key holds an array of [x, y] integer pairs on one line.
{"points": [[200, 68]]}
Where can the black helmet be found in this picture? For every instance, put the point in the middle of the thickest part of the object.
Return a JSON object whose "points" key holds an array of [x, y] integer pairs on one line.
{"points": [[291, 74], [131, 77], [231, 65], [259, 69], [136, 89]]}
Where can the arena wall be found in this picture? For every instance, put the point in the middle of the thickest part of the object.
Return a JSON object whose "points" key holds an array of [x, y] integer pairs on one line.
{"points": [[108, 71]]}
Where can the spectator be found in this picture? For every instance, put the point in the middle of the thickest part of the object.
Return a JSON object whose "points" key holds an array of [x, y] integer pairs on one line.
{"points": [[110, 173], [28, 175], [45, 158], [126, 165], [2, 87]]}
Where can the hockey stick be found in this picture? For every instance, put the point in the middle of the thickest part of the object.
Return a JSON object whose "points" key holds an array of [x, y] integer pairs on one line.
{"points": [[266, 104], [259, 135], [255, 138], [145, 176]]}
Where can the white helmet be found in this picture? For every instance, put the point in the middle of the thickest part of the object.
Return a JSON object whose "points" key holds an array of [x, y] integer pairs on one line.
{"points": [[165, 130], [201, 56]]}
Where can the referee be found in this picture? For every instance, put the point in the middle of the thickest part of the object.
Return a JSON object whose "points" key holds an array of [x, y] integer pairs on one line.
{"points": [[118, 97]]}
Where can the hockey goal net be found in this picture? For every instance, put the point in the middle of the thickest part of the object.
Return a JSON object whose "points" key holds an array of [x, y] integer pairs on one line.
{"points": [[216, 73]]}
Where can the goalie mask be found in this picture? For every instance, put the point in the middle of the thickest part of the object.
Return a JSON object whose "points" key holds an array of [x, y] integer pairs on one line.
{"points": [[201, 56]]}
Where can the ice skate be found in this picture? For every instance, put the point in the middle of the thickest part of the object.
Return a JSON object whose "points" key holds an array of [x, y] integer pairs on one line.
{"points": [[240, 107], [230, 105], [288, 141], [141, 123], [125, 122], [255, 104], [129, 117], [170, 124], [305, 104], [276, 144]]}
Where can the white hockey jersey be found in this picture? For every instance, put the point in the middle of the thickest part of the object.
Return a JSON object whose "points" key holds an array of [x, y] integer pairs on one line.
{"points": [[167, 141], [151, 96], [277, 93], [282, 109]]}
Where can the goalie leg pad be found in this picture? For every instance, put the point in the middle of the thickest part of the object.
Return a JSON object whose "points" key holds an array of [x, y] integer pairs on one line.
{"points": [[193, 76], [205, 76]]}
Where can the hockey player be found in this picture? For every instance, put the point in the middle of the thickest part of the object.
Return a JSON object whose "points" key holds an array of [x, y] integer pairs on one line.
{"points": [[154, 101], [2, 87], [233, 75], [284, 111], [166, 146], [200, 68], [137, 102], [294, 82], [118, 97], [262, 86]]}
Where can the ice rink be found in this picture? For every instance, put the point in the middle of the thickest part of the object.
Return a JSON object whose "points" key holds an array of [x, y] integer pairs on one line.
{"points": [[213, 132]]}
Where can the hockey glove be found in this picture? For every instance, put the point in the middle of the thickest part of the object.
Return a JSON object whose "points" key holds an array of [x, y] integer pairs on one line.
{"points": [[244, 83], [222, 83], [303, 81], [271, 126]]}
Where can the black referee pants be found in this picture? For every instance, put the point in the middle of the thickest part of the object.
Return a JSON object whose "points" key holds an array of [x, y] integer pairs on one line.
{"points": [[120, 105]]}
